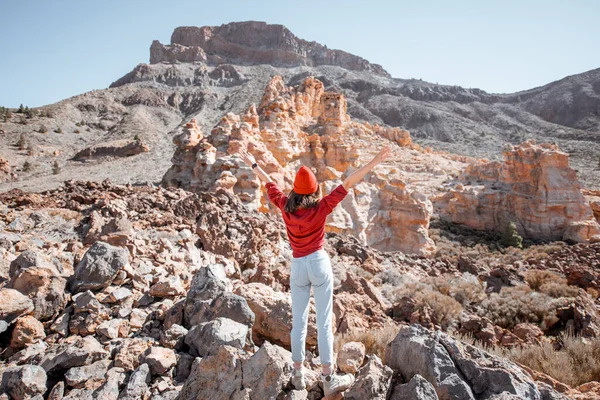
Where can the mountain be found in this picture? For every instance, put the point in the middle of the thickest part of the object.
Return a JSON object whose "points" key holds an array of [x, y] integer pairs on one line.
{"points": [[209, 71]]}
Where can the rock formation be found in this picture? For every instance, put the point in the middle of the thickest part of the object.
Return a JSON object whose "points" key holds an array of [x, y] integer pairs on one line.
{"points": [[534, 187], [305, 125], [262, 43], [119, 148]]}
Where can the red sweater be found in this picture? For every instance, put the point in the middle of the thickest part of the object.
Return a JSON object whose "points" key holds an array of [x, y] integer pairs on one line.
{"points": [[306, 227]]}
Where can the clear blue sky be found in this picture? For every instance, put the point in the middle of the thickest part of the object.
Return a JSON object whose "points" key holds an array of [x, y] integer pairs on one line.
{"points": [[52, 50]]}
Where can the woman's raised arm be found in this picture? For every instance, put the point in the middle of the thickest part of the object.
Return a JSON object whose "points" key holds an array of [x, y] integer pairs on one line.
{"points": [[360, 173], [250, 161]]}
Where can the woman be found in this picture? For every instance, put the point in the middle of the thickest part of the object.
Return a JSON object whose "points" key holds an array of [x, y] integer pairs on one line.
{"points": [[304, 214]]}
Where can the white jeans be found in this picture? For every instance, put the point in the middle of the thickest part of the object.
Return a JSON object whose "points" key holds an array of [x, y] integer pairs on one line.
{"points": [[312, 270]]}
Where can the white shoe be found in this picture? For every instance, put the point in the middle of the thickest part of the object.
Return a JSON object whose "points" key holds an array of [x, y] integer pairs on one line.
{"points": [[336, 383], [298, 379]]}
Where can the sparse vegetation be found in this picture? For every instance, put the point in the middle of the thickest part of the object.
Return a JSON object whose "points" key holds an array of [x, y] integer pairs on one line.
{"points": [[58, 130], [510, 237], [550, 283], [575, 362], [136, 138], [23, 121], [22, 143], [515, 304], [77, 131], [21, 109], [43, 129], [27, 166], [56, 168], [375, 341], [30, 112]]}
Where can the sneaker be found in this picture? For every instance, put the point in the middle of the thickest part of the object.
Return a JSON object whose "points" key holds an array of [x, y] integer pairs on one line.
{"points": [[336, 383], [298, 379]]}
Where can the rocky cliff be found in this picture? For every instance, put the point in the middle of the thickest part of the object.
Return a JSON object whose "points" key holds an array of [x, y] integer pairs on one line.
{"points": [[253, 43], [534, 187]]}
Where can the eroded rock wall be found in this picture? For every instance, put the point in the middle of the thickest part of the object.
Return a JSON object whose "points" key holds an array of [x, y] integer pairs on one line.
{"points": [[534, 187]]}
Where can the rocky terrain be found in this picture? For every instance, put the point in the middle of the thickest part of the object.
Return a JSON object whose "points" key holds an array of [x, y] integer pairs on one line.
{"points": [[119, 291], [456, 276]]}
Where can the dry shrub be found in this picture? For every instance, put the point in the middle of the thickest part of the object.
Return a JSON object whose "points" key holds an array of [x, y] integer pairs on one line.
{"points": [[515, 304], [593, 292], [442, 308], [575, 363], [466, 289], [550, 283], [375, 341]]}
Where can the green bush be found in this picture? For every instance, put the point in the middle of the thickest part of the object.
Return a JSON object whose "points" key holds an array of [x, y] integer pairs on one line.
{"points": [[511, 238]]}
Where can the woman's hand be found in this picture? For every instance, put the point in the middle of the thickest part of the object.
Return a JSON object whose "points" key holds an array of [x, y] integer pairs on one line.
{"points": [[382, 155], [246, 157]]}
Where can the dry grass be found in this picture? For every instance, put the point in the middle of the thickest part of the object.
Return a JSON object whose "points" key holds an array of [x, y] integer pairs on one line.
{"points": [[442, 308], [375, 341], [466, 289], [575, 363], [550, 283]]}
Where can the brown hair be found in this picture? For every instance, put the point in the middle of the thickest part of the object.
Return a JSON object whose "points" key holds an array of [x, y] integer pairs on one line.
{"points": [[297, 201]]}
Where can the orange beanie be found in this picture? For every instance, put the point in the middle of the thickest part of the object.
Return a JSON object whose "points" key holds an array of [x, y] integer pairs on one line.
{"points": [[305, 182]]}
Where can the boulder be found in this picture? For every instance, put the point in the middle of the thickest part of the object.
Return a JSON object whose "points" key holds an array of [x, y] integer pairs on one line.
{"points": [[114, 328], [372, 382], [170, 286], [208, 283], [73, 351], [88, 376], [130, 352], [99, 266], [216, 377], [206, 338], [455, 369], [27, 330], [351, 357], [23, 382], [160, 360], [273, 312], [227, 305], [267, 371], [137, 385], [174, 337], [13, 304], [416, 388]]}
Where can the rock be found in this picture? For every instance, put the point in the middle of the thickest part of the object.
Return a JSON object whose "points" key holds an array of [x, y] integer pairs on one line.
{"points": [[206, 338], [534, 187], [183, 367], [529, 333], [227, 305], [43, 284], [208, 283], [456, 369], [88, 376], [23, 382], [57, 392], [116, 148], [119, 294], [273, 311], [171, 286], [216, 377], [115, 377], [99, 266], [160, 360], [27, 330], [351, 357], [138, 384], [13, 304], [174, 337], [372, 382], [267, 371], [28, 353], [71, 352], [230, 43], [137, 318], [114, 328], [61, 324], [416, 388], [130, 352]]}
